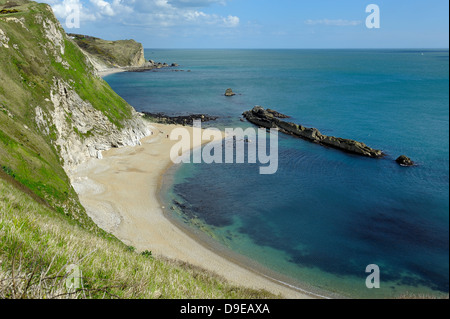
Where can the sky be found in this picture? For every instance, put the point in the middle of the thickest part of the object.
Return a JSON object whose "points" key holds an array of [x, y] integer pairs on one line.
{"points": [[267, 24]]}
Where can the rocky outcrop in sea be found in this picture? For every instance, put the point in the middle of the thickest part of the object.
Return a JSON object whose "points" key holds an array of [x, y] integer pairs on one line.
{"points": [[151, 65], [182, 120], [404, 160], [271, 119], [229, 92]]}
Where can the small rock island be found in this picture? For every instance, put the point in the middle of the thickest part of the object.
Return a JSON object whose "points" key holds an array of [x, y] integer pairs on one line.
{"points": [[404, 161], [229, 92]]}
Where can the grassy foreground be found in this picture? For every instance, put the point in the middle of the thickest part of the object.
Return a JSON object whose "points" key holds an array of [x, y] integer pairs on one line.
{"points": [[38, 247]]}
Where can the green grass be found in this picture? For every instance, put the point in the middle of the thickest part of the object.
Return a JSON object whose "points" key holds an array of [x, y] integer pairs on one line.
{"points": [[91, 88], [37, 245], [27, 76], [112, 53]]}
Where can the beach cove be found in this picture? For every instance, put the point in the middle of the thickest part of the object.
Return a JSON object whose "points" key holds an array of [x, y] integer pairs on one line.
{"points": [[120, 193]]}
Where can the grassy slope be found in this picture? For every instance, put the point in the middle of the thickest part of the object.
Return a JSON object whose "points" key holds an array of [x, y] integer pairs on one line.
{"points": [[40, 244], [27, 75]]}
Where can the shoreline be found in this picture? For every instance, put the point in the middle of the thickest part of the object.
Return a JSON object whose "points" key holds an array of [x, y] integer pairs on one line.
{"points": [[121, 194], [236, 258], [106, 72]]}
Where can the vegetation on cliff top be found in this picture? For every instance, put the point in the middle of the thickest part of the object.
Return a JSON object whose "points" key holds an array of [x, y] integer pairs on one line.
{"points": [[32, 58]]}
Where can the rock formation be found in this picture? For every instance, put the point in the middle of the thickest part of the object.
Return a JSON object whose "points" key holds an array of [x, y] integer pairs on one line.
{"points": [[277, 114], [127, 55], [89, 131], [261, 117], [55, 111], [404, 161], [183, 120], [151, 65], [229, 92], [122, 53]]}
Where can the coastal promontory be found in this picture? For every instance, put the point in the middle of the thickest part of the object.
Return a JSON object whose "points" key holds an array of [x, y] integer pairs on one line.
{"points": [[121, 53]]}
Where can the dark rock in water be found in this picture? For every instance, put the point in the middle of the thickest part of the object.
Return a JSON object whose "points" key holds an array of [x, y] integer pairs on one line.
{"points": [[229, 92], [242, 120], [277, 114], [182, 120], [140, 69], [404, 161], [148, 66], [174, 65], [261, 117]]}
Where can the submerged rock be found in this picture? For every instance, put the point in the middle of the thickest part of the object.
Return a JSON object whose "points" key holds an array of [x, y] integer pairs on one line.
{"points": [[229, 92], [150, 66], [183, 120], [263, 118], [404, 161]]}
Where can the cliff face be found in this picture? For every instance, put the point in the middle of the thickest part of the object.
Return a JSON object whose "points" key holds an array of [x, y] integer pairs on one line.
{"points": [[108, 54], [55, 112], [87, 132]]}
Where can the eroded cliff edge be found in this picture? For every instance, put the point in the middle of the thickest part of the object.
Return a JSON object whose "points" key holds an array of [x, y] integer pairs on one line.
{"points": [[106, 54], [55, 111]]}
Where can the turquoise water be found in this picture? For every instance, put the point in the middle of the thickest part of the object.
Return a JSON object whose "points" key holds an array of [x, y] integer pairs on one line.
{"points": [[325, 215]]}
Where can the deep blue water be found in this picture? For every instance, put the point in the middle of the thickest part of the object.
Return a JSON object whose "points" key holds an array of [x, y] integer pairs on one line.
{"points": [[325, 215]]}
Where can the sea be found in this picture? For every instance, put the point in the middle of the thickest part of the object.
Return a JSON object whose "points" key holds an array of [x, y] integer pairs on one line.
{"points": [[325, 215]]}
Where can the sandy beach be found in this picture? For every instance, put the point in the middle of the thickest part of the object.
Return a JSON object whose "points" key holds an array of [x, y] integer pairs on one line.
{"points": [[120, 193], [106, 72]]}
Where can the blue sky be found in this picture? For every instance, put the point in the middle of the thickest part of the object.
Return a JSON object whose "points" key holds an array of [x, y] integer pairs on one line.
{"points": [[262, 23]]}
